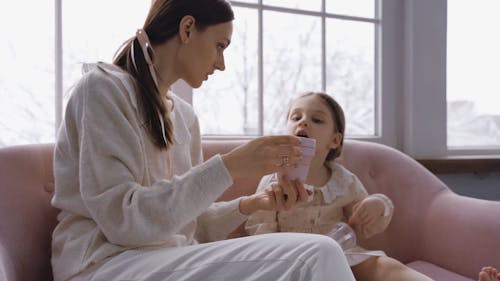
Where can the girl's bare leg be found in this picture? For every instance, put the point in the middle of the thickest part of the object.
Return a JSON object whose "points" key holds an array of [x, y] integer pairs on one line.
{"points": [[489, 273], [387, 269]]}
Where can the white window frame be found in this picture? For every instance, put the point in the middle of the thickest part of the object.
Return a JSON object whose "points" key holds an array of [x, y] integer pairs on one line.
{"points": [[58, 65], [424, 91]]}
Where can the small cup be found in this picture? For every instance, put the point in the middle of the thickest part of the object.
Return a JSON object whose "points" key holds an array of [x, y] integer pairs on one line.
{"points": [[300, 172], [344, 235]]}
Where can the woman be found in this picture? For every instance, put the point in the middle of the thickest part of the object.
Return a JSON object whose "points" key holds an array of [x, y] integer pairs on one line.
{"points": [[136, 200]]}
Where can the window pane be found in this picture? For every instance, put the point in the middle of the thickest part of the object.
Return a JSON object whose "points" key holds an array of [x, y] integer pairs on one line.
{"points": [[27, 73], [311, 5], [472, 73], [292, 63], [227, 104], [358, 8], [93, 30], [350, 70]]}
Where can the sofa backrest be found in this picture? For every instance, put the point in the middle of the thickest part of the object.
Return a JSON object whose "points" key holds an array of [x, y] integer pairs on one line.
{"points": [[381, 169], [410, 186], [27, 218]]}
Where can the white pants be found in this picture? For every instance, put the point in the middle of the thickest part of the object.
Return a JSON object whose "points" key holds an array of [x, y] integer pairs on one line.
{"points": [[273, 257]]}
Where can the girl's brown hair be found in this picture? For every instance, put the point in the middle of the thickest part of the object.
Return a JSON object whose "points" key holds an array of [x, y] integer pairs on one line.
{"points": [[162, 23], [338, 118]]}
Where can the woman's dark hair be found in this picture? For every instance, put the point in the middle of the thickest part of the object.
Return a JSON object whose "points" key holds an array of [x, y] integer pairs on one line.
{"points": [[162, 23], [338, 116]]}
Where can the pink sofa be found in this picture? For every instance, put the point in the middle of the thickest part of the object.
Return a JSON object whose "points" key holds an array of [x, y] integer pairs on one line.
{"points": [[444, 235]]}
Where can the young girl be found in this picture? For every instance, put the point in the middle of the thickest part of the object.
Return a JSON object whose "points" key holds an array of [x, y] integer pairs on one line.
{"points": [[338, 194]]}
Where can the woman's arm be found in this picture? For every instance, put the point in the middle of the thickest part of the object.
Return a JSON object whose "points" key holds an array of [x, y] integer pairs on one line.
{"points": [[113, 172]]}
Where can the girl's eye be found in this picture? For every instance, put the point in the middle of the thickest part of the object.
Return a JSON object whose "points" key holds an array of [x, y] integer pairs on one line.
{"points": [[316, 120], [295, 118]]}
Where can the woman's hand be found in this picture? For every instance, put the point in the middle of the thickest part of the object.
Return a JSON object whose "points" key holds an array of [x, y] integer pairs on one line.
{"points": [[280, 196], [367, 212], [263, 155]]}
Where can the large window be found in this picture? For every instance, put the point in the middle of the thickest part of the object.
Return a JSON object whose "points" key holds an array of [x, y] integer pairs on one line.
{"points": [[399, 69], [285, 47]]}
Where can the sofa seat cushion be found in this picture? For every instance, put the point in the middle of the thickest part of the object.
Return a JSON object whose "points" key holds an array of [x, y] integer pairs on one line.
{"points": [[437, 273]]}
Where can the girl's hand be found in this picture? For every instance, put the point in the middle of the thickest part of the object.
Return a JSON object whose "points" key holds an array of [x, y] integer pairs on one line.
{"points": [[263, 155], [280, 196], [366, 212]]}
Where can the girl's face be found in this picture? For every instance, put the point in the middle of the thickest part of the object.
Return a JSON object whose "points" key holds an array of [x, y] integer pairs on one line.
{"points": [[203, 52], [311, 117]]}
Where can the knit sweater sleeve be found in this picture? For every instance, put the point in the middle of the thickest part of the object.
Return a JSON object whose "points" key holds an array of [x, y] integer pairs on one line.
{"points": [[112, 164], [221, 217]]}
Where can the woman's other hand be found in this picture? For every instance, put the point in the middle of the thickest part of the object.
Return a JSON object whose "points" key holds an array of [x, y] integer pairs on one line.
{"points": [[263, 155], [280, 196]]}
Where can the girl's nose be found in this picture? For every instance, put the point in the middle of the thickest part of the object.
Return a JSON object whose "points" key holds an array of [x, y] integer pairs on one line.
{"points": [[303, 122]]}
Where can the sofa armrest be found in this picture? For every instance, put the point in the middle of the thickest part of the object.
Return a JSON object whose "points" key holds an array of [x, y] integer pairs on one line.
{"points": [[461, 234]]}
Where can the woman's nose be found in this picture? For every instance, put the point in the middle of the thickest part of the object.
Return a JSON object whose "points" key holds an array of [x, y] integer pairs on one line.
{"points": [[219, 64]]}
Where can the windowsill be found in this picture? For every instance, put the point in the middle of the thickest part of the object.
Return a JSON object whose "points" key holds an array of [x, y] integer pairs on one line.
{"points": [[462, 164]]}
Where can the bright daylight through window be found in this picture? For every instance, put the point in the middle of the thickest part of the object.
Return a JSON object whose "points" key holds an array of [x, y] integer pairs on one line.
{"points": [[279, 49], [473, 91]]}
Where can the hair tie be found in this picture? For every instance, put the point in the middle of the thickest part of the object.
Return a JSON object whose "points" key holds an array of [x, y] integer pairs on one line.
{"points": [[143, 39], [146, 47]]}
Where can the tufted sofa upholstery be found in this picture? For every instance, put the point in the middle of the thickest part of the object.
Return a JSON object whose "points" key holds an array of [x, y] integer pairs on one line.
{"points": [[444, 235]]}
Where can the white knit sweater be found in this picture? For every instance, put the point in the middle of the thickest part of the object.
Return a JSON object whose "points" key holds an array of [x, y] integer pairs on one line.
{"points": [[111, 181]]}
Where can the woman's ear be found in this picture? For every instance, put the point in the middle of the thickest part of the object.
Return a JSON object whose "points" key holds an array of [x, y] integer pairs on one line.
{"points": [[186, 28], [336, 140]]}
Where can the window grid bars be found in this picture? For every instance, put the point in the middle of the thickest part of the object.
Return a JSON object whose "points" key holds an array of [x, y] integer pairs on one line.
{"points": [[323, 15]]}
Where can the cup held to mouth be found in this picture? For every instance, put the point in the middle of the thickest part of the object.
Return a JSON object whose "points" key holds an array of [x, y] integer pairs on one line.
{"points": [[300, 172]]}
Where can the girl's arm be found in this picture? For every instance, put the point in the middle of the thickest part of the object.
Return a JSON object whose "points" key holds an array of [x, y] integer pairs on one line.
{"points": [[372, 215], [368, 214]]}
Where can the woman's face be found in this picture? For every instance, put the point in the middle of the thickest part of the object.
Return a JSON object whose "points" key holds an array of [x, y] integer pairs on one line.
{"points": [[204, 52], [311, 117]]}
